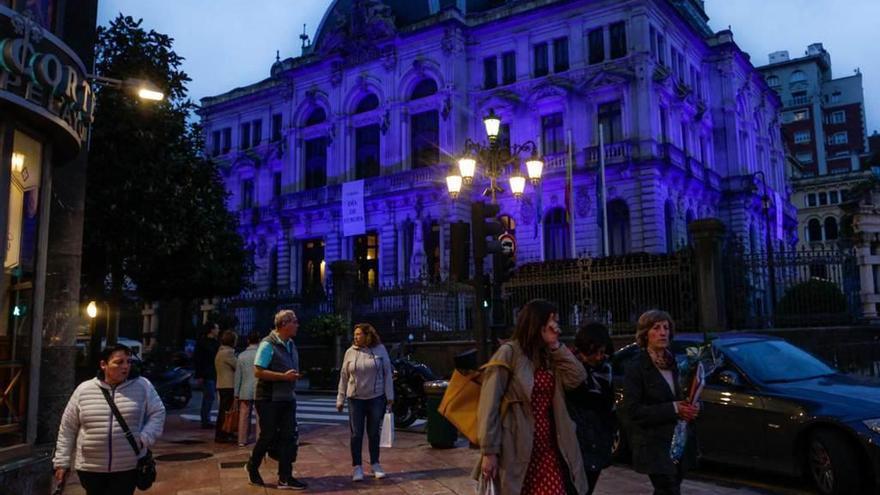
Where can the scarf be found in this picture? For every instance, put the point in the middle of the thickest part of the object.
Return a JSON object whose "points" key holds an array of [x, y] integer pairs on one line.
{"points": [[662, 360]]}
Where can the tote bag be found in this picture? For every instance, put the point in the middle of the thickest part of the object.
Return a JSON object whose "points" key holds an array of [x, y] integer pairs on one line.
{"points": [[462, 397], [387, 438]]}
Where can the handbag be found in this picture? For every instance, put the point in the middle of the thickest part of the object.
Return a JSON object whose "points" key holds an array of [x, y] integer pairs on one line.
{"points": [[230, 420], [462, 398], [146, 465], [387, 438]]}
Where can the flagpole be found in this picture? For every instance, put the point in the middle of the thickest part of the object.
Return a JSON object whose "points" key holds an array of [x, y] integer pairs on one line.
{"points": [[603, 189], [569, 187]]}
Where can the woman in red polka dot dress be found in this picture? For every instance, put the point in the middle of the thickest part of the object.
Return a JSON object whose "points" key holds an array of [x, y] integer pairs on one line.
{"points": [[526, 436]]}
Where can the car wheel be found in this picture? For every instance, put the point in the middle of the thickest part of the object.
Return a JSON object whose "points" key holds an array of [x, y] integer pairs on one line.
{"points": [[832, 464], [620, 446]]}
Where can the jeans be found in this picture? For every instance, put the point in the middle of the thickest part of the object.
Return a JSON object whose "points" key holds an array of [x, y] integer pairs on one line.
{"points": [[226, 401], [244, 420], [278, 427], [118, 483], [209, 389], [372, 411]]}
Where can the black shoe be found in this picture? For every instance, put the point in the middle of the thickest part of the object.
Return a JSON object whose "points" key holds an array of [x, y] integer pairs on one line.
{"points": [[291, 484], [253, 475]]}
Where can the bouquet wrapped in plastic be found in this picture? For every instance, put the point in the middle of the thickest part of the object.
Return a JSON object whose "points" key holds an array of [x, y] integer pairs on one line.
{"points": [[680, 434]]}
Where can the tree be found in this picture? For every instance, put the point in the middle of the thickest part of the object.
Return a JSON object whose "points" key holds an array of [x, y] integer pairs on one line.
{"points": [[156, 218]]}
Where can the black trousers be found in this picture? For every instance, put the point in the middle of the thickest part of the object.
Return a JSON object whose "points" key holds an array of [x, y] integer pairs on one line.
{"points": [[118, 483], [278, 426], [666, 484], [227, 397], [592, 478]]}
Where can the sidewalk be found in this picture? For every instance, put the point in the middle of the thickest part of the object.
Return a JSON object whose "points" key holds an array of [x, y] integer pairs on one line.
{"points": [[413, 467]]}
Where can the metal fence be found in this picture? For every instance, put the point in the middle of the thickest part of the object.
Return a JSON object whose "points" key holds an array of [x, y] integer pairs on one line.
{"points": [[614, 290], [862, 358], [438, 311], [793, 287]]}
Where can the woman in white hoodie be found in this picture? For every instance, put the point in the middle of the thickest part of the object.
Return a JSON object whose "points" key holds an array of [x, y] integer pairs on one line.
{"points": [[104, 460], [366, 379]]}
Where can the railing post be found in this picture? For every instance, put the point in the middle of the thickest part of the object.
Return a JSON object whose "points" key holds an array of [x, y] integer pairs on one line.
{"points": [[707, 234], [344, 273]]}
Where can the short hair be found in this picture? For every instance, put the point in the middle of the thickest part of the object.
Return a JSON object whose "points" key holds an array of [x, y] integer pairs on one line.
{"points": [[648, 320], [284, 317], [591, 337], [228, 338], [110, 350], [254, 337], [371, 336]]}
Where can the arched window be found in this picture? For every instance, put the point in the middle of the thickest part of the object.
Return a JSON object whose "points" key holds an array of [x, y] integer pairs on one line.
{"points": [[814, 230], [669, 222], [316, 117], [556, 237], [425, 138], [796, 77], [367, 103], [618, 227], [425, 87], [830, 229]]}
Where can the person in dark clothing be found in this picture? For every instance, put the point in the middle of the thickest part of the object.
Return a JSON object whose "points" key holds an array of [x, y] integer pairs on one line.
{"points": [[203, 361], [654, 402], [276, 368], [591, 405]]}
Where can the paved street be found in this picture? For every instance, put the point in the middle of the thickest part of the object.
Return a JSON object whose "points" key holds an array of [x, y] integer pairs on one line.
{"points": [[413, 466]]}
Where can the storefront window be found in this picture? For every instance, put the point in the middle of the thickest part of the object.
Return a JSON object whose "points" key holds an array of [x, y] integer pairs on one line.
{"points": [[17, 288]]}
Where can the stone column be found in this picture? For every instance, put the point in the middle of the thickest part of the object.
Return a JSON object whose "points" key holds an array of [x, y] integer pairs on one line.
{"points": [[707, 234], [868, 289]]}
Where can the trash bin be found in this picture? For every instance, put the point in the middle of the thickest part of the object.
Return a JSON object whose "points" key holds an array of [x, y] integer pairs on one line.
{"points": [[441, 433]]}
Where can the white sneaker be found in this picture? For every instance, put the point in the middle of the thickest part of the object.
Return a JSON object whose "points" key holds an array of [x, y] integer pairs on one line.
{"points": [[377, 471], [357, 474]]}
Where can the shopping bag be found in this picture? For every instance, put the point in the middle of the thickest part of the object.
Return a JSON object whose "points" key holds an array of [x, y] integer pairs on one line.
{"points": [[486, 487], [230, 420], [387, 438]]}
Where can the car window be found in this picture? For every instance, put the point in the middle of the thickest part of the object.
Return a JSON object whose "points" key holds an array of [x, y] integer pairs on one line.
{"points": [[775, 361]]}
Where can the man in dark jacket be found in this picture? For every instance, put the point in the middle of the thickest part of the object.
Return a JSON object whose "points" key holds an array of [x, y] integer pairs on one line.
{"points": [[203, 361], [591, 405]]}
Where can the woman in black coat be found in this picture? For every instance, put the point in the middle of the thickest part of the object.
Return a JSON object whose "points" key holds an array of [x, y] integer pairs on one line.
{"points": [[591, 405], [653, 404]]}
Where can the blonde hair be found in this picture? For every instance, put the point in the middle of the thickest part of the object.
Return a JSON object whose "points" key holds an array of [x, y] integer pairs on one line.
{"points": [[371, 336], [648, 320], [283, 317]]}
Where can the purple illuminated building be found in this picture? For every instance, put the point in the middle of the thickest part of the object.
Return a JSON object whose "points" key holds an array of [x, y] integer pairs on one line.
{"points": [[389, 91]]}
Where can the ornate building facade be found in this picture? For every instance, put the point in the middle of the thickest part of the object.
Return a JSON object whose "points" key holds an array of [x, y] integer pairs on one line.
{"points": [[389, 92]]}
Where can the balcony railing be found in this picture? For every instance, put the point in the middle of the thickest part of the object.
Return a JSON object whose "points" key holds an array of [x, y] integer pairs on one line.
{"points": [[614, 153]]}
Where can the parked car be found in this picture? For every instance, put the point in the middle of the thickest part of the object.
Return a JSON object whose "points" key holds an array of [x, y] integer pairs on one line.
{"points": [[772, 406]]}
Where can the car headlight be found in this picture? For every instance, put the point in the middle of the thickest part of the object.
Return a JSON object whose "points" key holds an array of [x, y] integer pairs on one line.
{"points": [[873, 425]]}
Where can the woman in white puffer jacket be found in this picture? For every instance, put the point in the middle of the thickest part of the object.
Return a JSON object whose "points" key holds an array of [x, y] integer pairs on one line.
{"points": [[104, 460]]}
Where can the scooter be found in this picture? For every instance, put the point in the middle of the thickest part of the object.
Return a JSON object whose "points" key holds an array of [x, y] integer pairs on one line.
{"points": [[171, 382], [409, 394]]}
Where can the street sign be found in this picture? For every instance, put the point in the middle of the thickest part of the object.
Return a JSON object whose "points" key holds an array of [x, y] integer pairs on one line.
{"points": [[508, 243]]}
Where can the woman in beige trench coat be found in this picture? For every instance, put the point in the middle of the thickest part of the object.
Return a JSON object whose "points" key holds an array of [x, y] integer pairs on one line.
{"points": [[522, 407]]}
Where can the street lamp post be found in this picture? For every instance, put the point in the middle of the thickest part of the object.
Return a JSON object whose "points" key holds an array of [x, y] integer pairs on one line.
{"points": [[494, 158], [771, 269]]}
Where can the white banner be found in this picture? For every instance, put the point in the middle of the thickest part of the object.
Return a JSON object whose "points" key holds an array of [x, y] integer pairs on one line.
{"points": [[353, 220]]}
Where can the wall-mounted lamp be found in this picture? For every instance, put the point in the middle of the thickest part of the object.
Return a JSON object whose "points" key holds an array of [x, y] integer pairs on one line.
{"points": [[17, 162]]}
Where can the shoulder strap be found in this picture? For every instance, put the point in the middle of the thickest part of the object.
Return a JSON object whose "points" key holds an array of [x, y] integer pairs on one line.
{"points": [[128, 434]]}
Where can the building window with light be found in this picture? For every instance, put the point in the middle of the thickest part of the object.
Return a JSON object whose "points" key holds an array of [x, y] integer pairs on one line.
{"points": [[425, 139], [432, 251], [552, 136], [17, 288], [316, 163], [313, 268], [366, 255], [801, 115]]}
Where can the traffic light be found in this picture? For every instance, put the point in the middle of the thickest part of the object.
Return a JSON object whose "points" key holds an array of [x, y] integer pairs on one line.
{"points": [[484, 223], [505, 266]]}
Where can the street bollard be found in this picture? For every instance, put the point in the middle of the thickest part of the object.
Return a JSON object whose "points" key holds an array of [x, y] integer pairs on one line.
{"points": [[441, 433]]}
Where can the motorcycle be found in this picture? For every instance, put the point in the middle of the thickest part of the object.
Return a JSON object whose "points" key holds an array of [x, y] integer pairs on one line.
{"points": [[409, 394], [170, 381]]}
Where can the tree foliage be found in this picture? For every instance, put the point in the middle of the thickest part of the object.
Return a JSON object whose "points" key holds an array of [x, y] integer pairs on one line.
{"points": [[155, 208]]}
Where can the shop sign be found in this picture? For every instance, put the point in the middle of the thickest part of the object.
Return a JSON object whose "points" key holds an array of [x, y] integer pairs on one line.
{"points": [[38, 67]]}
